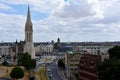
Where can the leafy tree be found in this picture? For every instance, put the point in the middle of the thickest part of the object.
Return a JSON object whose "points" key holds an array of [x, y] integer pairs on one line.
{"points": [[109, 70], [17, 73], [5, 63], [33, 63], [114, 52], [104, 70], [27, 62], [61, 64]]}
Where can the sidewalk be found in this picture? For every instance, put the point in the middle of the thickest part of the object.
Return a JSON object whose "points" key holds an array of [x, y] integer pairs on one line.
{"points": [[62, 74]]}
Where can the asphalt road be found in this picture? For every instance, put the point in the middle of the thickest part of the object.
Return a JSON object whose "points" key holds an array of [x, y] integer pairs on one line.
{"points": [[53, 71], [53, 74]]}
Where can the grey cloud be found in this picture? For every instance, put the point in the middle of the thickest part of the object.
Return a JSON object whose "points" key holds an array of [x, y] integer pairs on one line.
{"points": [[79, 9]]}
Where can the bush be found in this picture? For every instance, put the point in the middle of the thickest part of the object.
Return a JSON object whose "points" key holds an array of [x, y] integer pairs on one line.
{"points": [[17, 73]]}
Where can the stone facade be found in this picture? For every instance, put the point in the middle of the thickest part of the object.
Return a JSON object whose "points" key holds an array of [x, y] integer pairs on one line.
{"points": [[72, 61], [29, 47]]}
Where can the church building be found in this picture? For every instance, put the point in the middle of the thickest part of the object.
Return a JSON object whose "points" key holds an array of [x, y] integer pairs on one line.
{"points": [[29, 46]]}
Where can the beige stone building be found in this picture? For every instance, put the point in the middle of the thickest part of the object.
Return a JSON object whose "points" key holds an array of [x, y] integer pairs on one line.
{"points": [[71, 61], [4, 50], [29, 47], [44, 49]]}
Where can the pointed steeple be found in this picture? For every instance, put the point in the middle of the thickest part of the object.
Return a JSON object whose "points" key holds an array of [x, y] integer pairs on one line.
{"points": [[28, 15], [28, 25]]}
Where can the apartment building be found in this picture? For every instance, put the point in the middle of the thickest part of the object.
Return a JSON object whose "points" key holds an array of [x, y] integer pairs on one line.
{"points": [[87, 63], [72, 59], [94, 49]]}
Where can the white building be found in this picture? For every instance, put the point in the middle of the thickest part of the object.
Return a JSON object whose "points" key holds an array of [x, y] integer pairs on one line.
{"points": [[4, 50], [44, 49], [94, 49]]}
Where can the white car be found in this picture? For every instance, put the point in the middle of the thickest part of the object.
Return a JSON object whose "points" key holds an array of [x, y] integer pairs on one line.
{"points": [[48, 70]]}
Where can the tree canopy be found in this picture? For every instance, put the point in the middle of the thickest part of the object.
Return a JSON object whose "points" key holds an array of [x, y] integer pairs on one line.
{"points": [[5, 63], [114, 52], [27, 62], [61, 64], [17, 73], [110, 69]]}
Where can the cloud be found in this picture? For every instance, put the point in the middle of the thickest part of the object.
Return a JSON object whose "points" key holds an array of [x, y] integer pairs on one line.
{"points": [[71, 20], [78, 9], [12, 27], [5, 7]]}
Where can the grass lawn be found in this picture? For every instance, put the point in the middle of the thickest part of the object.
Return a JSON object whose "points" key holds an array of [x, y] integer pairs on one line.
{"points": [[41, 74], [5, 72]]}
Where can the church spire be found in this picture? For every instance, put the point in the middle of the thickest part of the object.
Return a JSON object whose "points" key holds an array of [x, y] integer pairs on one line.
{"points": [[29, 47], [28, 25], [28, 15]]}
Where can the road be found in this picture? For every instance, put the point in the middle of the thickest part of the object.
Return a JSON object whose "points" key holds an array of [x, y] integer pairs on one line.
{"points": [[56, 74], [53, 71]]}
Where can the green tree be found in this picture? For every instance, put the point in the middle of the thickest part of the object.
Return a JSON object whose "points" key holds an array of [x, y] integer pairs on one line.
{"points": [[109, 70], [27, 62], [61, 64], [114, 52], [5, 63], [33, 63], [17, 73]]}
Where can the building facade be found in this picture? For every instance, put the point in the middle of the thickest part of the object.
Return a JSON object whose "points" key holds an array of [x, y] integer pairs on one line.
{"points": [[94, 49], [72, 61], [29, 47], [44, 49], [87, 66]]}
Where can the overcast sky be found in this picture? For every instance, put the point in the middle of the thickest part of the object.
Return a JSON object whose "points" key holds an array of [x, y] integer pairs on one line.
{"points": [[70, 20]]}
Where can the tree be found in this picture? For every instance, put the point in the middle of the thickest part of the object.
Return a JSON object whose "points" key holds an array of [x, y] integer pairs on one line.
{"points": [[27, 62], [17, 73], [33, 63], [114, 52], [5, 63], [109, 70], [61, 64]]}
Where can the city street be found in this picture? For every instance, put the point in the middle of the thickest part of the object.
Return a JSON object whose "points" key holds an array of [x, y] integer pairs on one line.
{"points": [[53, 73], [52, 70]]}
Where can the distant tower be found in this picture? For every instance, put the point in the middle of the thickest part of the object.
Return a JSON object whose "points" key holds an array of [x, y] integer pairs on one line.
{"points": [[58, 40], [29, 47]]}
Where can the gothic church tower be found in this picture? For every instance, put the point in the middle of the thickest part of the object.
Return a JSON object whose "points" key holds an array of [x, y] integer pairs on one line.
{"points": [[29, 47]]}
